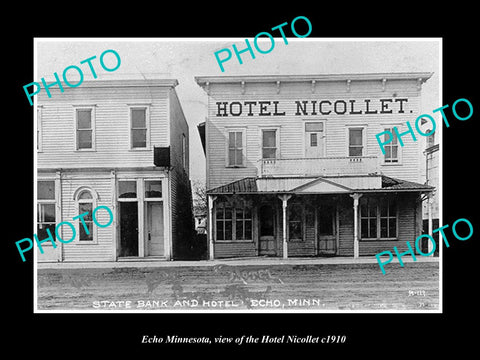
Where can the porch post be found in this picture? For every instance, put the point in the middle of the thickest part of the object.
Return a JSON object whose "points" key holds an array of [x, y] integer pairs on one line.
{"points": [[355, 197], [284, 199], [430, 221], [211, 199]]}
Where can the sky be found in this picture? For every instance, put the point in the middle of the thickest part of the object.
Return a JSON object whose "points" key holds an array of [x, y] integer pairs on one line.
{"points": [[185, 58]]}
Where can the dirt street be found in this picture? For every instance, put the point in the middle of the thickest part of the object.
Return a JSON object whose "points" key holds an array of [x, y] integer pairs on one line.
{"points": [[232, 288]]}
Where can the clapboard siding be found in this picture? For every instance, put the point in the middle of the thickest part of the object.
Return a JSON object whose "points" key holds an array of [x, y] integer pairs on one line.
{"points": [[234, 249], [291, 126], [112, 126]]}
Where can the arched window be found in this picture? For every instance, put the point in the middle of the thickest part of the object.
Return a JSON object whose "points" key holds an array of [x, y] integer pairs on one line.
{"points": [[86, 202]]}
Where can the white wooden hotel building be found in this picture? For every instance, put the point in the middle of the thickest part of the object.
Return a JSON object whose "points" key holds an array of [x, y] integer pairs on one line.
{"points": [[119, 143], [294, 169]]}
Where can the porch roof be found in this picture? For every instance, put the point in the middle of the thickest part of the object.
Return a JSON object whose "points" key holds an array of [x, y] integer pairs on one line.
{"points": [[319, 185]]}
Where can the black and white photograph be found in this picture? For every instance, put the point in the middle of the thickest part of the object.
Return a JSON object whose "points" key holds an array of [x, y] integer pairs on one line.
{"points": [[299, 177], [199, 175]]}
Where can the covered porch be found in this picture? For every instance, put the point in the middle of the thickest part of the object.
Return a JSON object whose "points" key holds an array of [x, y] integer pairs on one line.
{"points": [[312, 216]]}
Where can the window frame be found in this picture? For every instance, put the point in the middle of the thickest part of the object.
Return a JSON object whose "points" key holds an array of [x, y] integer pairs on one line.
{"points": [[78, 223], [147, 126], [76, 109], [41, 202], [379, 201], [390, 127], [276, 129], [234, 207], [227, 147], [364, 144]]}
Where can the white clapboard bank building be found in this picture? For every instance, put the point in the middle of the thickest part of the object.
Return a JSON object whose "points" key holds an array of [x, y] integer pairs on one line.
{"points": [[119, 143], [294, 168]]}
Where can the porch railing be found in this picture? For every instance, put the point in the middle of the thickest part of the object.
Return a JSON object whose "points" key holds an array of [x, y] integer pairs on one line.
{"points": [[337, 165]]}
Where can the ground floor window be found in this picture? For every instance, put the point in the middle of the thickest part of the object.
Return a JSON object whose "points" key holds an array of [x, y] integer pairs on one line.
{"points": [[378, 218], [233, 221], [46, 218]]}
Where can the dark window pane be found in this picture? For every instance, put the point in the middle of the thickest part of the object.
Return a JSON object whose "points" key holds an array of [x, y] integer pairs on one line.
{"points": [[383, 228], [269, 138], [373, 228], [355, 151], [220, 230], [313, 139], [46, 190], [220, 213], [239, 230], [127, 189], [372, 207], [228, 213], [138, 119], [364, 226], [228, 230], [84, 119], [231, 140], [355, 137], [238, 142], [268, 153], [83, 233], [238, 157], [84, 139], [248, 230], [153, 188], [46, 213], [42, 231], [85, 207], [231, 157], [392, 228], [139, 138]]}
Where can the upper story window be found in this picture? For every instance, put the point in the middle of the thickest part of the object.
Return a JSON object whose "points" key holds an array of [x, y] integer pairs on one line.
{"points": [[355, 141], [85, 129], [235, 147], [391, 148], [139, 131], [269, 144]]}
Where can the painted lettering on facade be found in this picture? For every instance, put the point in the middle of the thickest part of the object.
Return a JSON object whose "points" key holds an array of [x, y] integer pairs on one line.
{"points": [[313, 107]]}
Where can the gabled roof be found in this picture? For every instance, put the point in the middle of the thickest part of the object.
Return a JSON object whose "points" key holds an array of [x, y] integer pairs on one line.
{"points": [[319, 185]]}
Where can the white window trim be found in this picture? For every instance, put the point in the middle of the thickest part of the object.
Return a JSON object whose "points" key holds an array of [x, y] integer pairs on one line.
{"points": [[324, 121], [147, 124], [227, 132], [364, 138], [277, 141], [78, 223], [400, 148], [93, 123]]}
